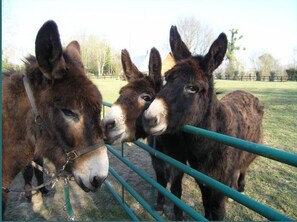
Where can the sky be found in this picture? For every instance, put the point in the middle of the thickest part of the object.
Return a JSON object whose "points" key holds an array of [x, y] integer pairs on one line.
{"points": [[267, 26]]}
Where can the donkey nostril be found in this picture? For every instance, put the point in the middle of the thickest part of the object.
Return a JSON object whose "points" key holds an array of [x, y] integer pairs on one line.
{"points": [[110, 124], [152, 121], [98, 181]]}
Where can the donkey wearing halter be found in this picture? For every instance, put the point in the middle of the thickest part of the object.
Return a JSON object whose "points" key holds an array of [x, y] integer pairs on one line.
{"points": [[123, 122], [189, 97], [53, 111]]}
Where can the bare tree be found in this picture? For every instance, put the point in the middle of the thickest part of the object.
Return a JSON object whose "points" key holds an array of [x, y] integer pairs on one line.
{"points": [[97, 55], [267, 67], [268, 64], [196, 36], [116, 62]]}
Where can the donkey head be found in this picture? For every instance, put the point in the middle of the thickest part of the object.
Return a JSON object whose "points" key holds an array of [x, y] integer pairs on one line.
{"points": [[185, 97], [123, 122], [70, 106]]}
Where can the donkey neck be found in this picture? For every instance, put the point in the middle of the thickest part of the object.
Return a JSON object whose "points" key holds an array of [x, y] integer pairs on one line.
{"points": [[140, 132], [210, 119]]}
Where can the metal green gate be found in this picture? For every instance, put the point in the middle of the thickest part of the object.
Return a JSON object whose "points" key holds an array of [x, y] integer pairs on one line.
{"points": [[271, 153]]}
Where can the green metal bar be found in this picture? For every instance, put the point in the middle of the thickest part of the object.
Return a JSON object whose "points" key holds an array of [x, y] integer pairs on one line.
{"points": [[163, 190], [278, 155], [246, 201], [104, 103], [153, 190], [119, 199], [123, 189], [135, 195], [271, 153]]}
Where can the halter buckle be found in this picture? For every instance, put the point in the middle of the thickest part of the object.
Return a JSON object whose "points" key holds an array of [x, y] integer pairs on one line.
{"points": [[38, 120], [5, 189], [72, 155]]}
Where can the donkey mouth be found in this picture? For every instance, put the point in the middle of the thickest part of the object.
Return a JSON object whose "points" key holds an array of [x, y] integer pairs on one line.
{"points": [[84, 187], [156, 131], [114, 139]]}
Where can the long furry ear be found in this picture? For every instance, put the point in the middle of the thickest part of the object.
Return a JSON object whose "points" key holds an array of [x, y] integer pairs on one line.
{"points": [[49, 52], [73, 50], [178, 47], [130, 70], [155, 67], [216, 53]]}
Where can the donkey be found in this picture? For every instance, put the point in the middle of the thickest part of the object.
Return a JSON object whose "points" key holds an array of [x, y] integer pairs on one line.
{"points": [[123, 122], [189, 98], [53, 111]]}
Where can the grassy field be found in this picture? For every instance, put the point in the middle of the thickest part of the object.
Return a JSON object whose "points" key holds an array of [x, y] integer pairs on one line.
{"points": [[109, 88], [268, 181]]}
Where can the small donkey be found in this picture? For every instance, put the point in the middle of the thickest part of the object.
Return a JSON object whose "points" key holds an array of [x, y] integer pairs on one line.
{"points": [[123, 122]]}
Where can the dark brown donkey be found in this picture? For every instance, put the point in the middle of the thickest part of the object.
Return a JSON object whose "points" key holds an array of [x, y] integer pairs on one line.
{"points": [[53, 111], [123, 122], [189, 97]]}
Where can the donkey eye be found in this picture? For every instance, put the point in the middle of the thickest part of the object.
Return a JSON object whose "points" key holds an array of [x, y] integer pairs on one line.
{"points": [[146, 97], [70, 114], [191, 89]]}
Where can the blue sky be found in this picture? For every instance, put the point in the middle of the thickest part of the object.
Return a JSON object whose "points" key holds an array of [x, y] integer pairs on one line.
{"points": [[267, 26]]}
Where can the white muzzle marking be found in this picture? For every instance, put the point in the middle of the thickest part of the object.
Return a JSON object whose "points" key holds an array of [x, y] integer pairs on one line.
{"points": [[157, 111], [119, 132], [93, 164]]}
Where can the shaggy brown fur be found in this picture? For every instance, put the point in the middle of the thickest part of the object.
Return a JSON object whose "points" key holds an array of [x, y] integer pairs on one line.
{"points": [[68, 103], [189, 98]]}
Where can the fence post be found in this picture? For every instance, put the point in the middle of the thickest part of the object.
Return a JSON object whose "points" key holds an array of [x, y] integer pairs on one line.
{"points": [[153, 191], [123, 188]]}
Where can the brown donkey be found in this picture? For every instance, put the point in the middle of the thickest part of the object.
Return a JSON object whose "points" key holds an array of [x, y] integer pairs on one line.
{"points": [[123, 122], [189, 97], [53, 111]]}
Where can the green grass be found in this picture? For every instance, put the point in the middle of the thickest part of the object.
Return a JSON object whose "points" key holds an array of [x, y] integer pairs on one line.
{"points": [[271, 182], [268, 181], [109, 88], [280, 109]]}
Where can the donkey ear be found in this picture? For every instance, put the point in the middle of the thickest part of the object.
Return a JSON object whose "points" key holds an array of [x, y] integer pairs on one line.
{"points": [[73, 50], [49, 52], [178, 47], [216, 53], [130, 70], [155, 66]]}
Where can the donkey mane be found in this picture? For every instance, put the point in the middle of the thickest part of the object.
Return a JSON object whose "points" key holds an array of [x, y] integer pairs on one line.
{"points": [[37, 78]]}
